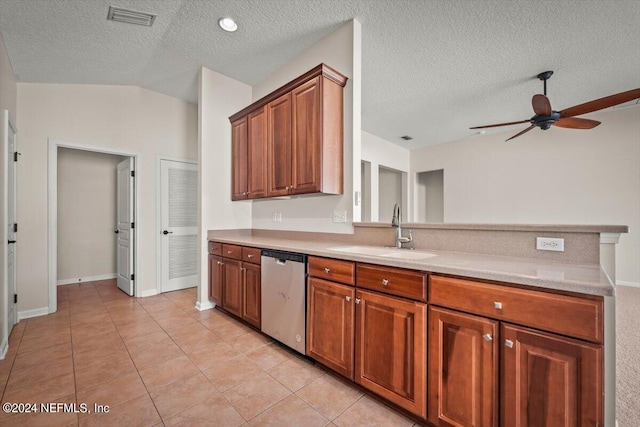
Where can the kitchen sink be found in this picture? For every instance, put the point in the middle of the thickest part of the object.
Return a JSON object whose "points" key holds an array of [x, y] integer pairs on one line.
{"points": [[384, 252]]}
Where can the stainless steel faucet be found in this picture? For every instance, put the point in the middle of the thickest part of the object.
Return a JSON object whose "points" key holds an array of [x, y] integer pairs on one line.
{"points": [[397, 223]]}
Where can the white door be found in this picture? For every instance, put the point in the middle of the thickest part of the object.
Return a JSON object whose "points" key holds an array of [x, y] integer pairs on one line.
{"points": [[11, 223], [125, 226], [179, 225]]}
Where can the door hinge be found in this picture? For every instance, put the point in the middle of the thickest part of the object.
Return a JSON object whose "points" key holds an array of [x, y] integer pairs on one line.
{"points": [[133, 174], [15, 156], [132, 277], [15, 298], [15, 227], [133, 225]]}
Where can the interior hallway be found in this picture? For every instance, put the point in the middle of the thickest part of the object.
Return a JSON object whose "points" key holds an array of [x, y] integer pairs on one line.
{"points": [[158, 361]]}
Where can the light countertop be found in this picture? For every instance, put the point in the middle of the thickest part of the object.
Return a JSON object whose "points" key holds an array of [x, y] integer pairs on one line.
{"points": [[581, 278]]}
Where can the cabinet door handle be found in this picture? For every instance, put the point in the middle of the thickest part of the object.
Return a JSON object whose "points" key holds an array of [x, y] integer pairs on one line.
{"points": [[357, 300], [327, 270], [487, 337], [497, 305], [287, 187], [219, 263], [243, 269], [508, 343], [385, 282], [348, 298]]}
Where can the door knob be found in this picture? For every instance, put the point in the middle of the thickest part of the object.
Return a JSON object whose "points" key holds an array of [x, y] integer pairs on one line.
{"points": [[165, 232], [116, 231], [11, 241]]}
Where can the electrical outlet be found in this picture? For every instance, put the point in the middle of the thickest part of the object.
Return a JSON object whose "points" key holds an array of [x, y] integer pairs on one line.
{"points": [[339, 216], [549, 244], [276, 217]]}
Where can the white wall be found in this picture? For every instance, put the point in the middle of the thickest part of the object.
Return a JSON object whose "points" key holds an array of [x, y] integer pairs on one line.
{"points": [[86, 214], [389, 193], [379, 152], [558, 176], [339, 50], [219, 97], [121, 118]]}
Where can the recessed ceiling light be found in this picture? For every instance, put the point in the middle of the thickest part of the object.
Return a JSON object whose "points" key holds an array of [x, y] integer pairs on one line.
{"points": [[228, 24]]}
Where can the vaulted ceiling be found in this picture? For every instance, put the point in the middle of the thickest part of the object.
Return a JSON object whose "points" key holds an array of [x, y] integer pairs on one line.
{"points": [[430, 68]]}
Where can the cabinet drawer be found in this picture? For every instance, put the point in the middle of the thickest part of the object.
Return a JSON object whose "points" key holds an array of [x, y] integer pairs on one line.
{"points": [[395, 281], [567, 315], [232, 251], [215, 248], [251, 255], [332, 269]]}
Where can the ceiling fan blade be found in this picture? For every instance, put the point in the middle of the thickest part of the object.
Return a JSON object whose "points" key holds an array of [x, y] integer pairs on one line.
{"points": [[501, 124], [599, 104], [576, 123], [520, 133], [541, 105]]}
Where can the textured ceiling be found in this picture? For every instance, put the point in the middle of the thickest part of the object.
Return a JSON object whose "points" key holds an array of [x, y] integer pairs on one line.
{"points": [[430, 68]]}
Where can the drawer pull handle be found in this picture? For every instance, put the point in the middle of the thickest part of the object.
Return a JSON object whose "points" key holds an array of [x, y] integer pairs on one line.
{"points": [[249, 255], [229, 252], [497, 305], [508, 343], [385, 282], [348, 298], [327, 270], [357, 300], [487, 337]]}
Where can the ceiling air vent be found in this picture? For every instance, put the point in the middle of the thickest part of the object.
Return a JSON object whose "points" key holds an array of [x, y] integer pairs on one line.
{"points": [[407, 138], [130, 16]]}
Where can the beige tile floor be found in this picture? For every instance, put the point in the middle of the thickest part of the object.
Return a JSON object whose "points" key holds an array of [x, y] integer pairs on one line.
{"points": [[158, 361]]}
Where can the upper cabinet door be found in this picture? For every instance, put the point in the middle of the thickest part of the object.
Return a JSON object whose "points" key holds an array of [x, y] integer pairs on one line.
{"points": [[307, 137], [257, 154], [239, 188], [279, 141]]}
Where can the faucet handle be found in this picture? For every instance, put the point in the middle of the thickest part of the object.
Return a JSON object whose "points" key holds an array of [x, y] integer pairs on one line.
{"points": [[410, 237]]}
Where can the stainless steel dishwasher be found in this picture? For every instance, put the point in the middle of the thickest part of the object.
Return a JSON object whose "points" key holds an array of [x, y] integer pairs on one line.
{"points": [[283, 294]]}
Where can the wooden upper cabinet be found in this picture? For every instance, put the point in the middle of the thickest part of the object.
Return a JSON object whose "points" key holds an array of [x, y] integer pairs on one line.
{"points": [[279, 143], [307, 137], [463, 369], [257, 154], [239, 153], [548, 380], [294, 138]]}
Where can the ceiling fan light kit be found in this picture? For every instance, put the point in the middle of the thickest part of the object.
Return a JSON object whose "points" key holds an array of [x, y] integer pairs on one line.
{"points": [[546, 117]]}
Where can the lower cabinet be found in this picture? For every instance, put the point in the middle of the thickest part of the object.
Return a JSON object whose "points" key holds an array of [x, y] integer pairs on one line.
{"points": [[391, 349], [330, 316], [463, 369], [234, 284], [215, 279], [549, 380], [251, 294]]}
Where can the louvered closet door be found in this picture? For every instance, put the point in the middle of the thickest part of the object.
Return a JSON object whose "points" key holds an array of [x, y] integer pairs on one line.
{"points": [[179, 225]]}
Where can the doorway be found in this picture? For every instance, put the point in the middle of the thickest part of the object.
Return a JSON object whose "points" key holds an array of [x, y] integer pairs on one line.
{"points": [[430, 196], [178, 210], [93, 254], [10, 228]]}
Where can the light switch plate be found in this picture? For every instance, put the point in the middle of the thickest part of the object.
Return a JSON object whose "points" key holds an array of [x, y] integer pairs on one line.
{"points": [[339, 216], [276, 217]]}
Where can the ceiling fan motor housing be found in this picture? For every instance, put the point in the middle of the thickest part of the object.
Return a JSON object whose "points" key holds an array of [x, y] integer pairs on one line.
{"points": [[545, 122]]}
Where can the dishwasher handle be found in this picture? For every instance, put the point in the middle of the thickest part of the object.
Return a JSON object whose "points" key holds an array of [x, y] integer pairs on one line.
{"points": [[283, 256]]}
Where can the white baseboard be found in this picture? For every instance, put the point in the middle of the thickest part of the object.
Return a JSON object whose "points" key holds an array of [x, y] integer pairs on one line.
{"points": [[26, 314], [148, 293], [4, 347], [625, 283], [207, 305], [86, 279]]}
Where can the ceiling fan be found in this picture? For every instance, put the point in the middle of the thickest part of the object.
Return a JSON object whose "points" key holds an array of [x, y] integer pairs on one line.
{"points": [[545, 116]]}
